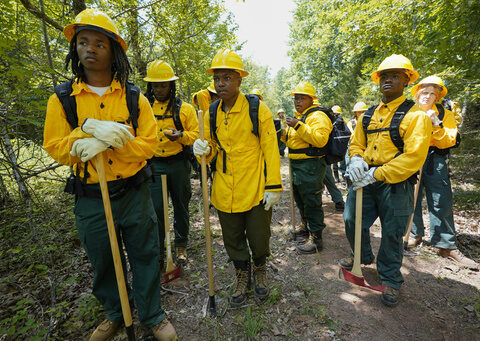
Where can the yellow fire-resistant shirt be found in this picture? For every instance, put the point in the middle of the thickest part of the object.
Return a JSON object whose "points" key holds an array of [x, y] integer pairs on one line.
{"points": [[378, 149], [112, 106], [444, 137], [315, 131], [243, 184], [188, 117], [201, 100]]}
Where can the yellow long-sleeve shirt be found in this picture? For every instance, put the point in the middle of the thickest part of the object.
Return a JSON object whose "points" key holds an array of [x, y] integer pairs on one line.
{"points": [[188, 117], [315, 131], [377, 149], [243, 184], [121, 163], [444, 137]]}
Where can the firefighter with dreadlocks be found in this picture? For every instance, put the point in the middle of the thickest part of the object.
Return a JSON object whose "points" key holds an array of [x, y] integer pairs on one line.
{"points": [[177, 129], [101, 68]]}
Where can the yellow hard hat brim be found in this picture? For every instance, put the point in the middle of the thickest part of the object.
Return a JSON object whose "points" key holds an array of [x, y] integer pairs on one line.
{"points": [[157, 80], [303, 93], [242, 73], [417, 87], [69, 32], [412, 76]]}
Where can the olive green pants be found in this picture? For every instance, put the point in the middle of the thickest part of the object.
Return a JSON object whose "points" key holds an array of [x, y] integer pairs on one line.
{"points": [[307, 178], [136, 225], [252, 226], [179, 189]]}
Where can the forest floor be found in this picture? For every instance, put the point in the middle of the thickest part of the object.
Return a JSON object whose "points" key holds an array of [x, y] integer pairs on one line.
{"points": [[439, 300]]}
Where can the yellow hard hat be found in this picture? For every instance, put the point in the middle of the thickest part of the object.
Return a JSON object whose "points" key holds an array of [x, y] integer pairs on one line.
{"points": [[211, 88], [227, 59], [280, 110], [360, 106], [337, 110], [257, 92], [430, 80], [304, 88], [395, 62], [93, 18], [315, 101], [159, 71]]}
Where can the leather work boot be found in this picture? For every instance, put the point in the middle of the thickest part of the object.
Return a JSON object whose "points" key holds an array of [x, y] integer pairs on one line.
{"points": [[105, 331], [390, 297], [412, 242], [301, 234], [347, 263], [260, 278], [164, 331], [181, 253], [313, 245], [242, 284], [458, 257]]}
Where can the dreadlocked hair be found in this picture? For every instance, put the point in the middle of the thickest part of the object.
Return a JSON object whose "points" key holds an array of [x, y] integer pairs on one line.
{"points": [[171, 95], [120, 66]]}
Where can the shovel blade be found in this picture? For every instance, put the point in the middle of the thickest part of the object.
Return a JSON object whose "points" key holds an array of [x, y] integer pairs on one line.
{"points": [[359, 280], [171, 275]]}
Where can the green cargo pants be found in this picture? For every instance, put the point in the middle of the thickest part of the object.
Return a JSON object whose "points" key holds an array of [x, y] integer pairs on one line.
{"points": [[136, 225], [308, 175], [180, 190], [438, 192], [252, 226], [329, 182], [393, 203]]}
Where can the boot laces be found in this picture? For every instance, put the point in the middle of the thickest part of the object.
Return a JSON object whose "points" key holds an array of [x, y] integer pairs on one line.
{"points": [[260, 273], [242, 282]]}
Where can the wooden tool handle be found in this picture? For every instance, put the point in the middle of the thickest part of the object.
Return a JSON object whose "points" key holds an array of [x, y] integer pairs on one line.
{"points": [[166, 223], [206, 211], [357, 269], [415, 196], [292, 199], [122, 289]]}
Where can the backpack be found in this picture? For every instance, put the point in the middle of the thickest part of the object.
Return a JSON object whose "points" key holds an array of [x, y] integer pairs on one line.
{"points": [[337, 144], [394, 128], [253, 106], [69, 104]]}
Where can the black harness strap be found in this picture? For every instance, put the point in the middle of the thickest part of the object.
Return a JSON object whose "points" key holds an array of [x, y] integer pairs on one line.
{"points": [[253, 108]]}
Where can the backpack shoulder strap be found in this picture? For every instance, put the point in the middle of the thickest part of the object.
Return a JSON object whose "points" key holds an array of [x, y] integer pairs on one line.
{"points": [[254, 105], [68, 102], [367, 116], [176, 114], [213, 119], [395, 123], [327, 111], [441, 111], [133, 96]]}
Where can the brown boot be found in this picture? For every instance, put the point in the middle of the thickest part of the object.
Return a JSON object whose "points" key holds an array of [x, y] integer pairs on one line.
{"points": [[181, 252], [458, 257], [390, 296], [314, 244], [347, 263], [412, 242], [164, 331], [242, 273], [260, 278], [105, 331], [300, 234]]}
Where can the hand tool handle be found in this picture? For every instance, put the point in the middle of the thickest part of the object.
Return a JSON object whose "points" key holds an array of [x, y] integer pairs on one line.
{"points": [[122, 288], [415, 196], [206, 213], [166, 223], [292, 201], [357, 268]]}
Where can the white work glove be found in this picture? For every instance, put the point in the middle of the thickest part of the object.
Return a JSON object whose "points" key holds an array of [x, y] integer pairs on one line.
{"points": [[433, 116], [270, 199], [87, 148], [357, 168], [112, 133], [368, 179], [200, 147]]}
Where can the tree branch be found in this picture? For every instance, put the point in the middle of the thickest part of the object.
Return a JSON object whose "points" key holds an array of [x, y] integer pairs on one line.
{"points": [[38, 13]]}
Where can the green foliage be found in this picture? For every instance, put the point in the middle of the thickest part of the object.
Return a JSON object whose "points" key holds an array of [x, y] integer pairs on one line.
{"points": [[252, 323], [338, 44]]}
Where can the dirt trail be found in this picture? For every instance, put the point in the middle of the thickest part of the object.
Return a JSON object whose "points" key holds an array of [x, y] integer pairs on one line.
{"points": [[308, 301]]}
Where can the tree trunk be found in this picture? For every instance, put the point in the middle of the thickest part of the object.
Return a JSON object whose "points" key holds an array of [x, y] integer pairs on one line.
{"points": [[12, 160], [47, 45]]}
